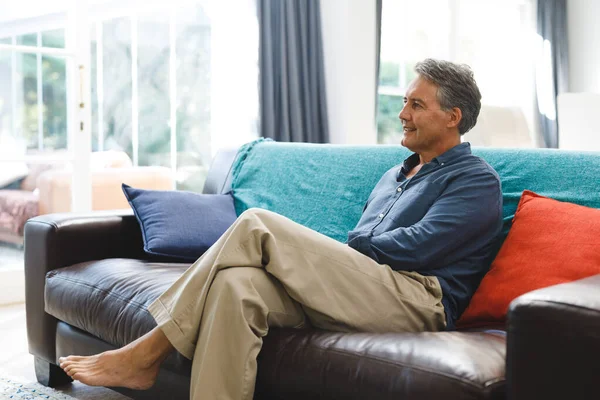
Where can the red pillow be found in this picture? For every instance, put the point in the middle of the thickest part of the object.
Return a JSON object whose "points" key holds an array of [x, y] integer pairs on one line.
{"points": [[550, 242]]}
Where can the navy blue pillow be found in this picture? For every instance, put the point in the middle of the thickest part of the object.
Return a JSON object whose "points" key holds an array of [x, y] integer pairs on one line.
{"points": [[180, 225]]}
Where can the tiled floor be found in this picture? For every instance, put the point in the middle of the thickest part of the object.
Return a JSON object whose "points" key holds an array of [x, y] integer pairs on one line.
{"points": [[16, 361], [12, 277], [10, 257]]}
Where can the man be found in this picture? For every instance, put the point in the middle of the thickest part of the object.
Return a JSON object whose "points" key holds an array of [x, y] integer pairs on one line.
{"points": [[413, 261]]}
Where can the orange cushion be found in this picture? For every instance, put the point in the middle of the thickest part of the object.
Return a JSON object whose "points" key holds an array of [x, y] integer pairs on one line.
{"points": [[550, 242]]}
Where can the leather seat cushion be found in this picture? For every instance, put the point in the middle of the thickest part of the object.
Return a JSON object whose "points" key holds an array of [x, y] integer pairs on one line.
{"points": [[109, 299], [309, 364]]}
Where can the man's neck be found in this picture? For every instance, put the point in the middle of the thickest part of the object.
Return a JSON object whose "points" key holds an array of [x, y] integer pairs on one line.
{"points": [[429, 154]]}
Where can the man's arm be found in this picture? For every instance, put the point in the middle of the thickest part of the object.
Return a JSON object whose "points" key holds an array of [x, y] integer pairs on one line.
{"points": [[468, 210]]}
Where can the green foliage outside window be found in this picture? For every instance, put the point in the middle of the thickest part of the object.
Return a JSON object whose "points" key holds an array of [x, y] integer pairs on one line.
{"points": [[389, 74], [389, 127], [395, 76], [54, 104]]}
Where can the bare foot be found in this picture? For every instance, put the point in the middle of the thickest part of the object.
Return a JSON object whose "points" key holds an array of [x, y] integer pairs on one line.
{"points": [[134, 366]]}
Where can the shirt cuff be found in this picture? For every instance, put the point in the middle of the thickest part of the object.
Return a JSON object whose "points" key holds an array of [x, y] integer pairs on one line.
{"points": [[361, 241]]}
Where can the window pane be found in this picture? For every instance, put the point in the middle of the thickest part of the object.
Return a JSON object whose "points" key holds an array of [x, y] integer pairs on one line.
{"points": [[491, 50], [389, 127], [116, 36], [193, 97], [29, 39], [55, 102], [5, 93], [411, 32], [153, 90], [472, 32], [26, 97], [94, 87], [5, 40], [54, 38], [389, 74]]}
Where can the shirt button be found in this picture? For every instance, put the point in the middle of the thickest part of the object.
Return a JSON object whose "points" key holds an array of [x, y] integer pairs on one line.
{"points": [[399, 189], [380, 215]]}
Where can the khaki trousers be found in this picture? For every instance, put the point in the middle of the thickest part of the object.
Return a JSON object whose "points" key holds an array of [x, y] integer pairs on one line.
{"points": [[268, 271]]}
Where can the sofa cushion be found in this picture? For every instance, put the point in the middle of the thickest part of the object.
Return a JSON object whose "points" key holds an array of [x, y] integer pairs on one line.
{"points": [[35, 170], [310, 364], [180, 225], [16, 207], [109, 298], [550, 242]]}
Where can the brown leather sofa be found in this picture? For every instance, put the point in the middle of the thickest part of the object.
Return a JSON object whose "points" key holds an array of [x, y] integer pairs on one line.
{"points": [[88, 283]]}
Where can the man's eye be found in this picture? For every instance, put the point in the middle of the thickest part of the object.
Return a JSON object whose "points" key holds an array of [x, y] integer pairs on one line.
{"points": [[415, 105]]}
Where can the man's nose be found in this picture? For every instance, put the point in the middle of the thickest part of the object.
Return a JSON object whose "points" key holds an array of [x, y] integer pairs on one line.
{"points": [[404, 114]]}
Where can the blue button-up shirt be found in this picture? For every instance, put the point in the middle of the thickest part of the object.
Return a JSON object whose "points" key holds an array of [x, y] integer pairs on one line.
{"points": [[444, 222]]}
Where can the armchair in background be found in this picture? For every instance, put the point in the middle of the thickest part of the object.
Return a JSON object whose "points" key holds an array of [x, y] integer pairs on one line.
{"points": [[47, 189]]}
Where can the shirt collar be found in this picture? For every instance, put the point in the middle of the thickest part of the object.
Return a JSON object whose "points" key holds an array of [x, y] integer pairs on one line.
{"points": [[455, 152]]}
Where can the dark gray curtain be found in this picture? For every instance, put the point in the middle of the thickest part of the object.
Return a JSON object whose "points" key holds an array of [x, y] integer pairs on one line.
{"points": [[293, 105], [378, 5], [552, 26]]}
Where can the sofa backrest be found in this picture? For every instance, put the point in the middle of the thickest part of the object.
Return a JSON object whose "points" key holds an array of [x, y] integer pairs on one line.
{"points": [[218, 178], [325, 186]]}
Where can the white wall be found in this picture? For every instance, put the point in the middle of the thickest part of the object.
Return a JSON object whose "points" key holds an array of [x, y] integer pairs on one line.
{"points": [[584, 39], [348, 28]]}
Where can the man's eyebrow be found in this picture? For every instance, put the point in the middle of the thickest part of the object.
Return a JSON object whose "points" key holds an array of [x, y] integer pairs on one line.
{"points": [[413, 99]]}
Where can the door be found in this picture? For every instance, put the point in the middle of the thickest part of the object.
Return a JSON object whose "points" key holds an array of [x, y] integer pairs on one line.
{"points": [[45, 94]]}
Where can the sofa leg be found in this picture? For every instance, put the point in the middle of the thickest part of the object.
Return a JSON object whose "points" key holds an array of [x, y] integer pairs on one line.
{"points": [[49, 374]]}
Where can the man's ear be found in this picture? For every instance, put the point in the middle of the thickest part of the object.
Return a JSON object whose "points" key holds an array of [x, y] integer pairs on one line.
{"points": [[455, 117]]}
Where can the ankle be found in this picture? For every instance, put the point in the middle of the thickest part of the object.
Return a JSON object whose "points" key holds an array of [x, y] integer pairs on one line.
{"points": [[150, 351]]}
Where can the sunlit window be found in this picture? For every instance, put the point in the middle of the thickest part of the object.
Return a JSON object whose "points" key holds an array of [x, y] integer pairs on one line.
{"points": [[495, 37], [171, 82]]}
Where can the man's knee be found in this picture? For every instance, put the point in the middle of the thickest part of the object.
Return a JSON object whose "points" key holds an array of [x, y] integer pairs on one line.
{"points": [[229, 279], [263, 217]]}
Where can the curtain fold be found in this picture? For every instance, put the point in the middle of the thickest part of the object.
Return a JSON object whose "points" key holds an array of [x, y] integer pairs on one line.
{"points": [[552, 74], [378, 7], [293, 103]]}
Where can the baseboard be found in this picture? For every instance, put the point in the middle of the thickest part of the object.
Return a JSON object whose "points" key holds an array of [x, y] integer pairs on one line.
{"points": [[12, 286]]}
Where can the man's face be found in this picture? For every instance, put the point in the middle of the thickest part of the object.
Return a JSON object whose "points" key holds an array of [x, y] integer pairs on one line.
{"points": [[424, 122]]}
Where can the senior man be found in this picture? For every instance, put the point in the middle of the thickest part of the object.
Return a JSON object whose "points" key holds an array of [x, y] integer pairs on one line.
{"points": [[423, 243]]}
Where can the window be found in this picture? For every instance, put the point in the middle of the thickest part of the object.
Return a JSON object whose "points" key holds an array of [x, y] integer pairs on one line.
{"points": [[33, 93], [155, 85], [495, 37], [170, 84]]}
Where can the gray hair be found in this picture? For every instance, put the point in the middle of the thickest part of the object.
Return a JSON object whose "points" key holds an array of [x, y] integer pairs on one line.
{"points": [[456, 88]]}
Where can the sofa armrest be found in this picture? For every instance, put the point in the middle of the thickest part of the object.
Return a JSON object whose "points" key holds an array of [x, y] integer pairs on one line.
{"points": [[55, 187], [58, 240], [553, 342]]}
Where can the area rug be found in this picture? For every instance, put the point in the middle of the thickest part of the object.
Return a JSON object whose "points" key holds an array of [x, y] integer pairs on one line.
{"points": [[18, 389]]}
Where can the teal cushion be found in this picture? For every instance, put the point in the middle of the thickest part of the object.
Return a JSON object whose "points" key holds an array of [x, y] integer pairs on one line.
{"points": [[325, 186]]}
